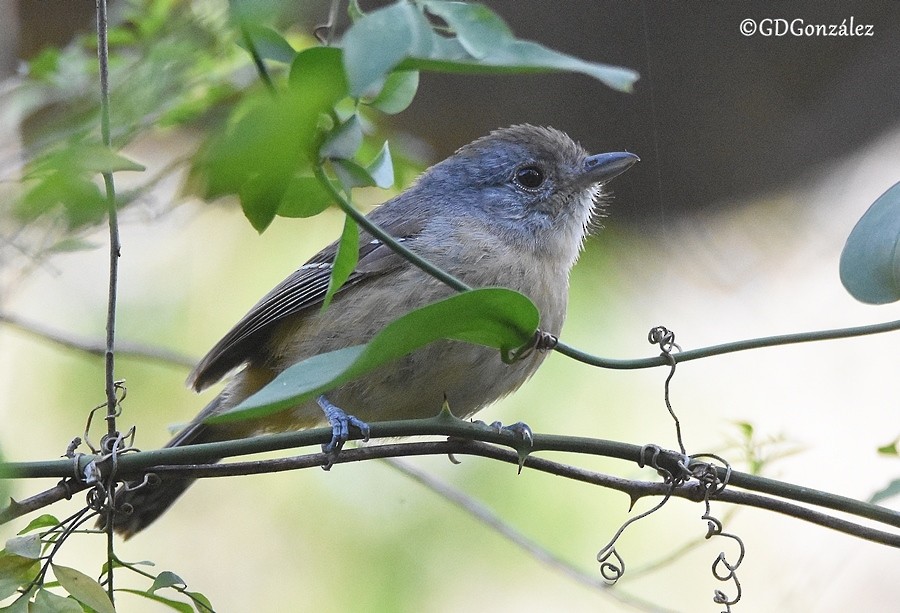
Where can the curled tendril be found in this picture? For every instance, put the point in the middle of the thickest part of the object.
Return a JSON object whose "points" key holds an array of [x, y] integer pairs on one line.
{"points": [[708, 477], [665, 338], [611, 571], [654, 452]]}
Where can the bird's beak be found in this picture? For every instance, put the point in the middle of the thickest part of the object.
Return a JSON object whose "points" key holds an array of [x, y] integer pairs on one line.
{"points": [[604, 167]]}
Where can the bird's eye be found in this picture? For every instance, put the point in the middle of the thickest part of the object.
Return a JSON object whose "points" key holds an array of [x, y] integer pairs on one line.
{"points": [[529, 177]]}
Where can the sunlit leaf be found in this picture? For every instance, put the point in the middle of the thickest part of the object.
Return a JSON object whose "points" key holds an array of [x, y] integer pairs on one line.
{"points": [[494, 317], [83, 588], [870, 262]]}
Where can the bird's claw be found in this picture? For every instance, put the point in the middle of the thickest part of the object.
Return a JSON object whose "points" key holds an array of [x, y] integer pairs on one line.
{"points": [[340, 423], [520, 430]]}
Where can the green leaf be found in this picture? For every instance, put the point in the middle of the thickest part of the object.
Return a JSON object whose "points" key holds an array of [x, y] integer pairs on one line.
{"points": [[44, 521], [98, 159], [83, 588], [381, 39], [205, 605], [25, 546], [485, 44], [479, 29], [166, 579], [48, 602], [350, 174], [381, 170], [870, 262], [15, 570], [398, 92], [495, 317], [890, 448], [318, 72], [343, 141], [270, 45], [304, 197], [270, 139], [177, 605], [20, 605], [892, 489], [344, 260]]}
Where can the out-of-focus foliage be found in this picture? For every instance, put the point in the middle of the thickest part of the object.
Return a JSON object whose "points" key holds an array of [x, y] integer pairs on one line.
{"points": [[870, 262]]}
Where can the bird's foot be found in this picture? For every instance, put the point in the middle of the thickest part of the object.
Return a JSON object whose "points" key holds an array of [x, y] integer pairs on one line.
{"points": [[520, 430], [340, 423]]}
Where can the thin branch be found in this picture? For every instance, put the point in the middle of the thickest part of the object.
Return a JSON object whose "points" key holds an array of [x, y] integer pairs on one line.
{"points": [[96, 347], [115, 247], [464, 434]]}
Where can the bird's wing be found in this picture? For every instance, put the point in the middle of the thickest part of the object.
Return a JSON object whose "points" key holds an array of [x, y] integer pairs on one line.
{"points": [[305, 288]]}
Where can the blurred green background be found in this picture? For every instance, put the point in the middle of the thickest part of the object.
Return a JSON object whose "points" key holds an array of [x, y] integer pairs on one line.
{"points": [[730, 228]]}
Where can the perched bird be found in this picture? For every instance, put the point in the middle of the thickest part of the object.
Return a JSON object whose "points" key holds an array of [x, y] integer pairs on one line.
{"points": [[510, 209]]}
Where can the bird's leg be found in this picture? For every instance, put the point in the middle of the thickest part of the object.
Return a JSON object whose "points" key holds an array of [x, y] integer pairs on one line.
{"points": [[340, 423]]}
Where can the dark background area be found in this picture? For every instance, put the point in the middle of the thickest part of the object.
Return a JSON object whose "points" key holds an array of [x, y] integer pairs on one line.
{"points": [[716, 115]]}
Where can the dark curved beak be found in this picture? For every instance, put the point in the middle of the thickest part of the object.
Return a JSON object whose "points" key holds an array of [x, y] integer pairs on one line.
{"points": [[604, 167]]}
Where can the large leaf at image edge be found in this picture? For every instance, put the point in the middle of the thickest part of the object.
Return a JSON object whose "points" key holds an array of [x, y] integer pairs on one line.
{"points": [[870, 261], [495, 317]]}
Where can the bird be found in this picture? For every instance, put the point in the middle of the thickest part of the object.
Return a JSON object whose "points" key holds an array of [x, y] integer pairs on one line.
{"points": [[510, 209]]}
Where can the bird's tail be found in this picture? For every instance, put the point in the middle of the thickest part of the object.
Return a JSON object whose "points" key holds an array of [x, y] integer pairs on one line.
{"points": [[138, 508]]}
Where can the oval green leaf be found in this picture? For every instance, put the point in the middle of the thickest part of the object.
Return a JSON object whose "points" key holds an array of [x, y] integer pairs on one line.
{"points": [[83, 588], [494, 317], [870, 262]]}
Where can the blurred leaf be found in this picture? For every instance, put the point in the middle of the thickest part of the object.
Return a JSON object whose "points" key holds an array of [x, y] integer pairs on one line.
{"points": [[44, 64], [166, 579], [350, 174], [381, 39], [343, 141], [382, 168], [207, 605], [495, 317], [870, 262], [70, 244], [172, 604], [15, 571], [48, 602], [892, 489], [890, 448], [398, 92], [270, 45], [344, 260], [83, 588], [318, 72], [25, 546], [44, 521], [72, 195], [304, 197], [272, 138]]}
